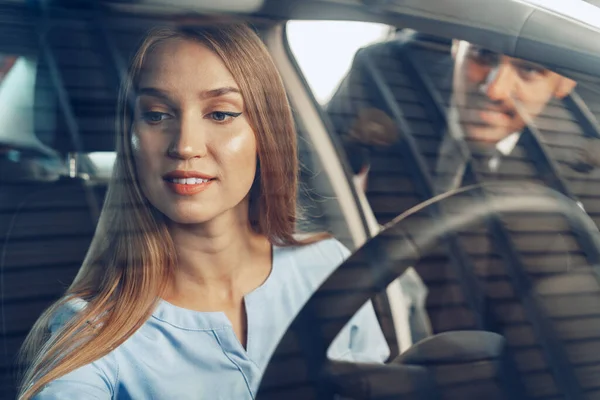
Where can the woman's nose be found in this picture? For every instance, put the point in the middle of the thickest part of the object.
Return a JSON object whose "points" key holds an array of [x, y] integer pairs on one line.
{"points": [[190, 139]]}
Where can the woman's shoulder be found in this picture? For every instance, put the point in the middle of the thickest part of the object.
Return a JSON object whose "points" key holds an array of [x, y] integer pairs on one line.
{"points": [[325, 250], [66, 312], [317, 260]]}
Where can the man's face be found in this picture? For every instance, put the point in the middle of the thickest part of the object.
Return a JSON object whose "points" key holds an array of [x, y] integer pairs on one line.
{"points": [[497, 94]]}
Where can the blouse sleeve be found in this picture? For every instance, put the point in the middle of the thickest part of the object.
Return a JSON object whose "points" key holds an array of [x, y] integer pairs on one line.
{"points": [[87, 382], [92, 381]]}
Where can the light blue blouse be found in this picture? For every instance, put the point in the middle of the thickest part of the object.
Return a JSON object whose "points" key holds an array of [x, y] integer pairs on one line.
{"points": [[184, 354]]}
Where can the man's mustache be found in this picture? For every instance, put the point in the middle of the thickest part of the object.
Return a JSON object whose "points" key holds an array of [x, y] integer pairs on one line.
{"points": [[486, 105]]}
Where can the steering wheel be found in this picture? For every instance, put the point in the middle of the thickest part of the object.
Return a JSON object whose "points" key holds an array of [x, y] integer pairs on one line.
{"points": [[299, 367]]}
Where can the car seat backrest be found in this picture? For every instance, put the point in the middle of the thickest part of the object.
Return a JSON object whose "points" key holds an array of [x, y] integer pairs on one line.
{"points": [[46, 231], [479, 278]]}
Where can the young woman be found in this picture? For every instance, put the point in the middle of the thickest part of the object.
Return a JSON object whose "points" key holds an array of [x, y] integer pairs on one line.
{"points": [[195, 272]]}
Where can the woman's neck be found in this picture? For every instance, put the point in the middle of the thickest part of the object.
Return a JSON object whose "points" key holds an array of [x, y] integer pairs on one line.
{"points": [[217, 264]]}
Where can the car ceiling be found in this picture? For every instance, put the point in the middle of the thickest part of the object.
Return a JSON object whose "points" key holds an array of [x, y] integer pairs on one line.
{"points": [[520, 28], [515, 27]]}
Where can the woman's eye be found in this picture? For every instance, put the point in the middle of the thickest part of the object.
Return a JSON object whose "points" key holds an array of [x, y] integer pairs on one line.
{"points": [[222, 116], [154, 117]]}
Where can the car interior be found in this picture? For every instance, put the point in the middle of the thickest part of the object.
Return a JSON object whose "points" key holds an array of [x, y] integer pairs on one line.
{"points": [[512, 312]]}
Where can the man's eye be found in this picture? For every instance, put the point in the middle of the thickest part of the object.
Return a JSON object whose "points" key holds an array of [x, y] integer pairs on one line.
{"points": [[222, 116], [484, 56], [154, 117], [531, 71]]}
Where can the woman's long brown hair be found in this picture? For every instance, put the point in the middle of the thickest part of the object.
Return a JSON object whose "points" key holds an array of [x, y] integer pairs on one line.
{"points": [[131, 257]]}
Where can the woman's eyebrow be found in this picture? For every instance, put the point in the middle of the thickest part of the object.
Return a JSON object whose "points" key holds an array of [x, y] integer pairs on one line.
{"points": [[153, 92], [219, 92], [206, 94]]}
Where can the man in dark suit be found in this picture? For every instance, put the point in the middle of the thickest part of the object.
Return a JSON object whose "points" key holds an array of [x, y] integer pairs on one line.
{"points": [[420, 116], [494, 98], [497, 94]]}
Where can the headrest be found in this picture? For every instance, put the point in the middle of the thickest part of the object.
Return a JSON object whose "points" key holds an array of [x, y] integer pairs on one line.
{"points": [[17, 93]]}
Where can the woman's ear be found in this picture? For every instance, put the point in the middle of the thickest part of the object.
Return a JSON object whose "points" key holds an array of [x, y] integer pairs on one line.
{"points": [[564, 87]]}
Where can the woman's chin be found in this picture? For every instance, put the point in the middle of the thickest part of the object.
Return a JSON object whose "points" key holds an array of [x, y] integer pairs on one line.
{"points": [[193, 213], [189, 217]]}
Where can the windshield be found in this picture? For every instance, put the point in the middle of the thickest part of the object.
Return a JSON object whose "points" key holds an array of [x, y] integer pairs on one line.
{"points": [[174, 192]]}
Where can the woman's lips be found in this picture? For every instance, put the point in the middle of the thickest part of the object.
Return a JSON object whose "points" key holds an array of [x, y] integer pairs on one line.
{"points": [[186, 183], [188, 186]]}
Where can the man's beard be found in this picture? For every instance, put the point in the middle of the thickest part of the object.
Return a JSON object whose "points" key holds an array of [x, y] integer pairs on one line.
{"points": [[485, 121]]}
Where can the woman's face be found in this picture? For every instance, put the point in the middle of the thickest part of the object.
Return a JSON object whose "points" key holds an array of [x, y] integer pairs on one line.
{"points": [[194, 149]]}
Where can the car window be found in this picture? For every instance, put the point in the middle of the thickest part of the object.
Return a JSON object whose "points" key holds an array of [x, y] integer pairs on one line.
{"points": [[421, 117], [103, 162], [311, 42]]}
